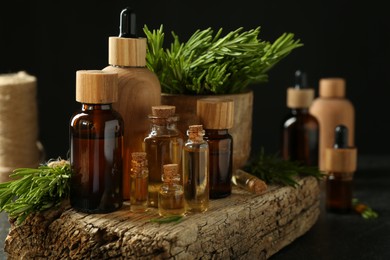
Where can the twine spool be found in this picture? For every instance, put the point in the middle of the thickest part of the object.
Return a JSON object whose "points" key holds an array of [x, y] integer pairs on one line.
{"points": [[19, 146]]}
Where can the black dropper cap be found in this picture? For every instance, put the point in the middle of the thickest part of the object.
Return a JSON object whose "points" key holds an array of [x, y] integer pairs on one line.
{"points": [[127, 27], [341, 137], [300, 79]]}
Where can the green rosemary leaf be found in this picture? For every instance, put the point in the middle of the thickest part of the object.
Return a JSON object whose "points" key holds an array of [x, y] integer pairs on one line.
{"points": [[167, 219], [209, 63], [274, 170]]}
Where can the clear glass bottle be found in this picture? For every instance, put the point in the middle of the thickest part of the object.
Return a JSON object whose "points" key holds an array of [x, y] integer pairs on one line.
{"points": [[96, 136], [340, 165], [196, 170], [139, 176], [216, 116], [163, 145], [300, 134], [171, 195]]}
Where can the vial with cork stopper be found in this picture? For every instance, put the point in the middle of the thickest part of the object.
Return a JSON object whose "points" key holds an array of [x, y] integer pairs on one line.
{"points": [[171, 195], [300, 129], [163, 145], [217, 116], [138, 87], [340, 165], [96, 136], [139, 175], [196, 170]]}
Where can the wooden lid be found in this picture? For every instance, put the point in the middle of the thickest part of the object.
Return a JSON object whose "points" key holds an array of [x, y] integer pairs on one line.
{"points": [[299, 98], [96, 87], [332, 87], [216, 113], [340, 160], [163, 111], [127, 52], [170, 172]]}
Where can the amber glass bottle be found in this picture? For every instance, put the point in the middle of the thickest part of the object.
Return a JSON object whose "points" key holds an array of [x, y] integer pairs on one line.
{"points": [[139, 176], [300, 133], [340, 165], [196, 170], [216, 116], [171, 196], [163, 145], [96, 136]]}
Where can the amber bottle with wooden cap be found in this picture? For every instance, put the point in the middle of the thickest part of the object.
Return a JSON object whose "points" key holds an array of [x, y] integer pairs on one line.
{"points": [[171, 196], [340, 165], [332, 108], [138, 87], [300, 132], [217, 116], [96, 139], [196, 170], [163, 145], [139, 176]]}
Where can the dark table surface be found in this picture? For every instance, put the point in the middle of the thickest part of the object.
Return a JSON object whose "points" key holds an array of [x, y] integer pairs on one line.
{"points": [[334, 236]]}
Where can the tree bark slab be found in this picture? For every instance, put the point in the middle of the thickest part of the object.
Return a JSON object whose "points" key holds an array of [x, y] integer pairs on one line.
{"points": [[242, 226]]}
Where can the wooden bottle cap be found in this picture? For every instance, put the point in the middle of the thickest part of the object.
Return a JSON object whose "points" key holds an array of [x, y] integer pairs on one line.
{"points": [[96, 87], [163, 111], [216, 113], [332, 87], [340, 160], [299, 98], [138, 156], [127, 52]]}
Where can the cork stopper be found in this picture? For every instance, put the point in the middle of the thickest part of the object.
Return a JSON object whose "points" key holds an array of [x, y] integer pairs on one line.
{"points": [[332, 87], [96, 87], [340, 160], [163, 111], [215, 113], [195, 132], [127, 52], [299, 98], [170, 173], [138, 156]]}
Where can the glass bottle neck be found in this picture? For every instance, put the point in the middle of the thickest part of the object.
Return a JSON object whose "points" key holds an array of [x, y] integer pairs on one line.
{"points": [[299, 111], [217, 131], [86, 107]]}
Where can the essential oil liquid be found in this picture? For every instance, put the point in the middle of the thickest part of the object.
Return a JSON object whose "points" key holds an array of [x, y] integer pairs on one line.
{"points": [[138, 193], [97, 179], [196, 179], [161, 150], [171, 200], [339, 192]]}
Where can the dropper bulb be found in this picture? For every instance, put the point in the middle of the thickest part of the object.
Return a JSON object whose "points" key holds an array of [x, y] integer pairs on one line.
{"points": [[127, 24], [341, 137], [300, 79]]}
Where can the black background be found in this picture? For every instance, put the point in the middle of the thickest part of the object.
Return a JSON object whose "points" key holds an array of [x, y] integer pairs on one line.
{"points": [[53, 39]]}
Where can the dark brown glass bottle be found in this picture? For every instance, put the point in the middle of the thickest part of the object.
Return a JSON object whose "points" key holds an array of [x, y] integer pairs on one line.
{"points": [[96, 137], [340, 165], [217, 115], [300, 129]]}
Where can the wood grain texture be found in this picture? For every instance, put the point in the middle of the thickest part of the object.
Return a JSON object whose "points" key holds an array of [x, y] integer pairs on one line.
{"points": [[242, 226]]}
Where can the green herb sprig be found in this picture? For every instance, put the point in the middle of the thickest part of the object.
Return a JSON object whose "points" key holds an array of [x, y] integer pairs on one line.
{"points": [[34, 190], [363, 209], [214, 64], [167, 219], [274, 170]]}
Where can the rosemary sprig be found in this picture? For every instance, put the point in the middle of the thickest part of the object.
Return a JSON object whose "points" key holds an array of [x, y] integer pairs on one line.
{"points": [[34, 190], [274, 170], [214, 64]]}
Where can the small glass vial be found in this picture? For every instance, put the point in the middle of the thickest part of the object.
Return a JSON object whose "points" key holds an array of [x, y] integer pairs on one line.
{"points": [[196, 170], [139, 175], [217, 116], [340, 165], [96, 139], [300, 130], [171, 195], [163, 145]]}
